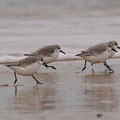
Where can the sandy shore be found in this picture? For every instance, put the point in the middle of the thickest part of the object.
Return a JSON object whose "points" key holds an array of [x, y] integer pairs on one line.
{"points": [[66, 93]]}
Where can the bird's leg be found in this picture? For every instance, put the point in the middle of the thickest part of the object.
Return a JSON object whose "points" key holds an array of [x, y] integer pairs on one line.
{"points": [[111, 70], [15, 77], [52, 67], [105, 63], [45, 65], [15, 90], [37, 82], [49, 66], [84, 66], [92, 64]]}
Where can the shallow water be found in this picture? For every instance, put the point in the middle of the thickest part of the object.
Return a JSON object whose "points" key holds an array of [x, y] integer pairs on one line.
{"points": [[66, 93]]}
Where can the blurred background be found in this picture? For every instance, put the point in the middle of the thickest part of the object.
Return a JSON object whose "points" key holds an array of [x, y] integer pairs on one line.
{"points": [[43, 22], [58, 9]]}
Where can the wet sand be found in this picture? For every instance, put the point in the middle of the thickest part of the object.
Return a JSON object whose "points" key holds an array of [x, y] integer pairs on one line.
{"points": [[66, 93]]}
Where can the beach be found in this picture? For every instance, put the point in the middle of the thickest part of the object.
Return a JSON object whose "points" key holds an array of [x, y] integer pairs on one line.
{"points": [[67, 93]]}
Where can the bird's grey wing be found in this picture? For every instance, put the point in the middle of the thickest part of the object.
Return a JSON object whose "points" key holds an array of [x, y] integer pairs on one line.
{"points": [[45, 51], [98, 49], [26, 61], [31, 54], [12, 64], [86, 53], [23, 62]]}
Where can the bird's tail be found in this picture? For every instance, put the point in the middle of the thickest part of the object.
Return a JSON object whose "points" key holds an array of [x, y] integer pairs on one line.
{"points": [[11, 64], [8, 65], [77, 54], [83, 53], [29, 54]]}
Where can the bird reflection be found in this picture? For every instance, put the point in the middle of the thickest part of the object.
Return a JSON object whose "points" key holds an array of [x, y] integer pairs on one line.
{"points": [[96, 92], [35, 98], [15, 87], [100, 92]]}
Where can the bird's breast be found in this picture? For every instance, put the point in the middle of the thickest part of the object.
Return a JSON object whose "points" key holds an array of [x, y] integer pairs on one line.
{"points": [[53, 57]]}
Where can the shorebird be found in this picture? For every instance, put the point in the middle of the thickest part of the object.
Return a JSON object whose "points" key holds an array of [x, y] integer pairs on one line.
{"points": [[114, 44], [49, 54], [98, 54], [27, 67]]}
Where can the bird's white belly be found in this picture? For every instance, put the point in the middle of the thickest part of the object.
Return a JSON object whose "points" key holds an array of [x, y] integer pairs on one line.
{"points": [[98, 58], [52, 58], [112, 53], [27, 70]]}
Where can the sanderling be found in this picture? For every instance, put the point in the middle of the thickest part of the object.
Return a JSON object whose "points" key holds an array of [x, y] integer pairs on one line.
{"points": [[97, 54], [26, 67], [48, 53], [113, 44]]}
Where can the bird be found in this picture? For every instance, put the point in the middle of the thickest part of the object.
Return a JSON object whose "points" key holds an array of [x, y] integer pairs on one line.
{"points": [[49, 54], [114, 44], [98, 54], [27, 67]]}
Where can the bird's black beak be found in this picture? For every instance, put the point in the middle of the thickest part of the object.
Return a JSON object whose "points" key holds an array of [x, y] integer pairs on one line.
{"points": [[62, 52], [118, 47], [114, 50]]}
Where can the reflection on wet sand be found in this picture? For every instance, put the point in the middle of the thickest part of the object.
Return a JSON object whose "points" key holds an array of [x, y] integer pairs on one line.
{"points": [[37, 97], [100, 92], [94, 92]]}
